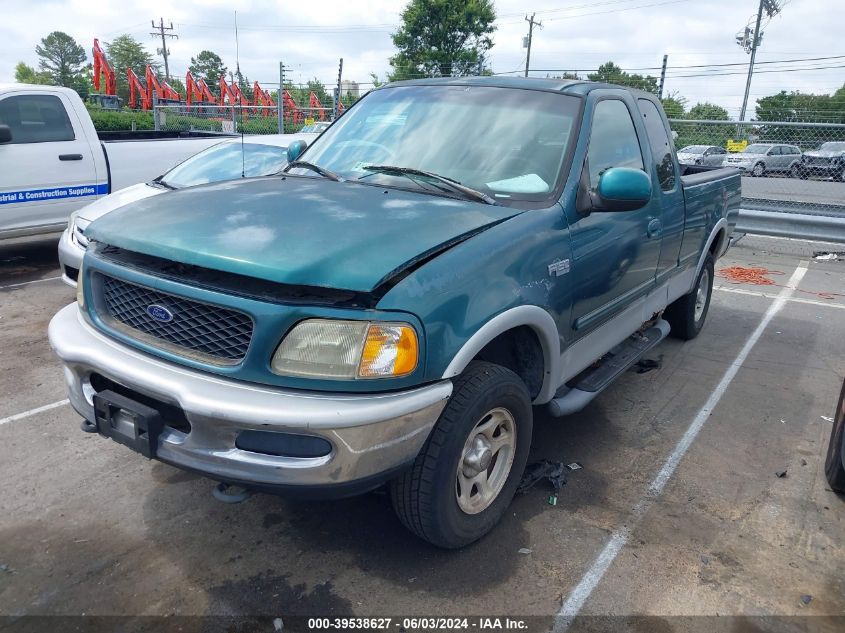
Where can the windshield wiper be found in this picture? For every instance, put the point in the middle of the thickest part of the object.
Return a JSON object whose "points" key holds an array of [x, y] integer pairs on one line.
{"points": [[162, 183], [320, 170], [453, 184]]}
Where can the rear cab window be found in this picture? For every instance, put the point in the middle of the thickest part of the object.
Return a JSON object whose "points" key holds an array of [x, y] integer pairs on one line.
{"points": [[661, 148]]}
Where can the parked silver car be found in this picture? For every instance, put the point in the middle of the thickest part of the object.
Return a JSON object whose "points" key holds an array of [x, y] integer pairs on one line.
{"points": [[760, 159], [711, 155], [827, 161]]}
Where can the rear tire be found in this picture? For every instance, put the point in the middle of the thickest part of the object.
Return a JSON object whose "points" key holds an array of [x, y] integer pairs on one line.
{"points": [[833, 464], [444, 498], [687, 314], [795, 171]]}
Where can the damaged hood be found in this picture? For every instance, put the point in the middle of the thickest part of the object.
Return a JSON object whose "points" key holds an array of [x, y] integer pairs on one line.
{"points": [[295, 230]]}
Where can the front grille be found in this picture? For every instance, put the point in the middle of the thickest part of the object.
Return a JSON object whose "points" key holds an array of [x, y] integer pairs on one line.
{"points": [[815, 160], [198, 330]]}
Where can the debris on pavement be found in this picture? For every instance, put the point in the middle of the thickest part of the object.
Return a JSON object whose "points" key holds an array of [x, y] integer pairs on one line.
{"points": [[278, 624], [806, 599], [551, 471], [524, 550], [705, 560], [826, 419], [645, 365], [828, 255], [574, 466], [781, 474], [4, 568], [803, 462]]}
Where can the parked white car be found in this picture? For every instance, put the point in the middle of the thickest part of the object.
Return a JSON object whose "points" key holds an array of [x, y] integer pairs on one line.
{"points": [[258, 155], [54, 161]]}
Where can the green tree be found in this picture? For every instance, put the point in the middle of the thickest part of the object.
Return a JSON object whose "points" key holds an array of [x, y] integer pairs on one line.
{"points": [[28, 75], [208, 65], [60, 58], [126, 52], [803, 107], [613, 74], [566, 75], [177, 85], [377, 83], [442, 38], [674, 105], [707, 112]]}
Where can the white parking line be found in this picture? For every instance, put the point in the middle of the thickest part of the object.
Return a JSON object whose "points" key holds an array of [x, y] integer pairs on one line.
{"points": [[26, 414], [26, 283], [757, 293], [585, 587]]}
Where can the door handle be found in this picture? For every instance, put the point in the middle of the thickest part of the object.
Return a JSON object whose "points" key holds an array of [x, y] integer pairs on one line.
{"points": [[70, 156], [654, 227]]}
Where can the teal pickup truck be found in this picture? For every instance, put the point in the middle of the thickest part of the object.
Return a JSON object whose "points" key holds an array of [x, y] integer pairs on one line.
{"points": [[387, 310]]}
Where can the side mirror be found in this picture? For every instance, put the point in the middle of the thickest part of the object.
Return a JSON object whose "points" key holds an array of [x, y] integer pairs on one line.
{"points": [[5, 134], [621, 189], [295, 150]]}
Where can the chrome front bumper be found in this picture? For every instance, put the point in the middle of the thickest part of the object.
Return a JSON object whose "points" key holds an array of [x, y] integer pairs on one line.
{"points": [[370, 434]]}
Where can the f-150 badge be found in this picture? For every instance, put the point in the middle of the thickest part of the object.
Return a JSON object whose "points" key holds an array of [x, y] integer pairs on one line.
{"points": [[558, 267]]}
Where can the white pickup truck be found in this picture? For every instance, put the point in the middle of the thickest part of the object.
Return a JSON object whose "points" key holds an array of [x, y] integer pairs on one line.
{"points": [[53, 161]]}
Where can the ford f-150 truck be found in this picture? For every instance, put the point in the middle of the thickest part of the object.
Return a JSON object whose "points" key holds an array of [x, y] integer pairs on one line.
{"points": [[446, 255], [54, 161]]}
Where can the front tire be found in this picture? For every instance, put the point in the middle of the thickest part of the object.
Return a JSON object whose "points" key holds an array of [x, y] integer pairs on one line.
{"points": [[687, 314], [467, 472], [759, 170]]}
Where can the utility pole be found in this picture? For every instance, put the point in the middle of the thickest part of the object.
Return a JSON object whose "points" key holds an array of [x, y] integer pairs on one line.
{"points": [[527, 43], [750, 41], [281, 98], [162, 32], [662, 77]]}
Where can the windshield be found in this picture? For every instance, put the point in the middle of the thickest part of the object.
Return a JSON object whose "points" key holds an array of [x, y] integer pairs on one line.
{"points": [[757, 149], [507, 143], [694, 149], [226, 161], [832, 147]]}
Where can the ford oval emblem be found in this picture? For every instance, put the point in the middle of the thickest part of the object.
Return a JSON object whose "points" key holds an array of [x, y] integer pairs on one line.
{"points": [[160, 313]]}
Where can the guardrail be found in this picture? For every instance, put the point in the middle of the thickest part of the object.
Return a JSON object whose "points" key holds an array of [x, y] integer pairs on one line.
{"points": [[814, 222]]}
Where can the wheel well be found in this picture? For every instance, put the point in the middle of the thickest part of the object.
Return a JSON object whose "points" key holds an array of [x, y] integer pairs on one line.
{"points": [[716, 244], [519, 350]]}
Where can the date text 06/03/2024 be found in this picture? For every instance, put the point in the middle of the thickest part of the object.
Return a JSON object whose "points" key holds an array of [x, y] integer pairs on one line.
{"points": [[419, 623]]}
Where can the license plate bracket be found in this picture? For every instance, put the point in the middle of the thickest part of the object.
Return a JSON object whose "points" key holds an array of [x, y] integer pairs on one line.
{"points": [[128, 422]]}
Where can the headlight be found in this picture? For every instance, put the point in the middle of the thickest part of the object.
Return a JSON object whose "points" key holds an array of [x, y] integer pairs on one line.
{"points": [[77, 228], [323, 348], [80, 290]]}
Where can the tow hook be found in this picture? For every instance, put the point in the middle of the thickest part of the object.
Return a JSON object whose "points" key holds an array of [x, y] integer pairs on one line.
{"points": [[230, 494]]}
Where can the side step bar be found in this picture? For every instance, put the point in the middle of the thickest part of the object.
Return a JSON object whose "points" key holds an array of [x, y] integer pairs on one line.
{"points": [[584, 387]]}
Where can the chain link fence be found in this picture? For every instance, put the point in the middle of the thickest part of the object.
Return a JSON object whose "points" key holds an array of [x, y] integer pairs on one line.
{"points": [[793, 173], [214, 118], [300, 109]]}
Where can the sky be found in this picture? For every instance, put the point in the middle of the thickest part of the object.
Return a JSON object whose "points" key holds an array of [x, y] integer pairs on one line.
{"points": [[310, 37]]}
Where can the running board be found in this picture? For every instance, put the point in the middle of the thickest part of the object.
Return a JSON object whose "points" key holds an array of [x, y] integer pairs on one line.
{"points": [[584, 387]]}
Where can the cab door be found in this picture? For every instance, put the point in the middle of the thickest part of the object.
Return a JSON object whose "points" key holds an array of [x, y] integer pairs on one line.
{"points": [[615, 254], [48, 166]]}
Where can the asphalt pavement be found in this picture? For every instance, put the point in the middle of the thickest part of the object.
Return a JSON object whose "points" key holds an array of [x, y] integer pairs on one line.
{"points": [[89, 529]]}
